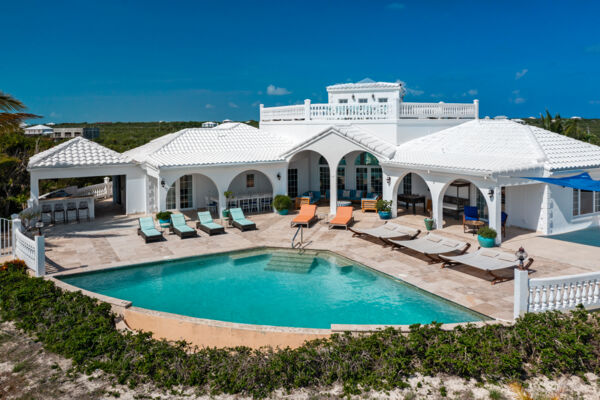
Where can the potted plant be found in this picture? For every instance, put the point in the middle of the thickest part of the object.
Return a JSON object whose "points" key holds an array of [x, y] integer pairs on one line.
{"points": [[282, 204], [164, 217], [384, 208], [486, 237], [429, 223], [228, 195]]}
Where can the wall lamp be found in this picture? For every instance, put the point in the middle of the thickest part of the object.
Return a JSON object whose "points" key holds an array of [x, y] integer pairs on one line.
{"points": [[279, 176], [491, 193], [388, 180], [162, 183]]}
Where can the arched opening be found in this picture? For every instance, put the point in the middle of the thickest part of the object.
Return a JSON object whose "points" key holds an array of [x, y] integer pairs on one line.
{"points": [[359, 174], [308, 176], [413, 195], [193, 191], [252, 191], [462, 201]]}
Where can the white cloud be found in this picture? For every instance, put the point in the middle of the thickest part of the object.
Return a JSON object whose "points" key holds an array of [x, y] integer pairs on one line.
{"points": [[395, 6], [273, 90], [233, 105], [410, 91], [54, 114], [472, 92], [255, 104], [521, 73], [437, 95], [517, 98], [209, 106]]}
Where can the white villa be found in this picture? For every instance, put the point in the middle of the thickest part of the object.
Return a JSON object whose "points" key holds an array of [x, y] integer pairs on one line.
{"points": [[366, 141]]}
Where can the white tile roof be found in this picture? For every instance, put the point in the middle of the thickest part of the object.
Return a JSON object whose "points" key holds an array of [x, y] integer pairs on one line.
{"points": [[77, 152], [228, 143], [354, 134], [38, 127], [495, 146], [365, 84]]}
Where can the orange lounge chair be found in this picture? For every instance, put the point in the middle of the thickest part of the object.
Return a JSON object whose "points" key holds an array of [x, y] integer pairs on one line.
{"points": [[343, 217], [307, 215]]}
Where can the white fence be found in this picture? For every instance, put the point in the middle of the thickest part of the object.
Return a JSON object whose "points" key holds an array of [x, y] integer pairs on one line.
{"points": [[99, 191], [5, 237], [32, 251], [377, 111], [561, 293]]}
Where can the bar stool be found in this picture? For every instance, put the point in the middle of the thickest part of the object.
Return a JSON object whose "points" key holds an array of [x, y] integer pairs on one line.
{"points": [[83, 210], [266, 203], [254, 203], [59, 213], [245, 204], [46, 213], [72, 212]]}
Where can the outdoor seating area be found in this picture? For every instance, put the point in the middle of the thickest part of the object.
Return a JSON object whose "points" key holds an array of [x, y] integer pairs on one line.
{"points": [[66, 209], [247, 202]]}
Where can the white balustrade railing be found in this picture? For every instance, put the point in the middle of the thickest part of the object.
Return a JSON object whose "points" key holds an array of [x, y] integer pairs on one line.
{"points": [[5, 237], [561, 293], [99, 191], [370, 111], [32, 251]]}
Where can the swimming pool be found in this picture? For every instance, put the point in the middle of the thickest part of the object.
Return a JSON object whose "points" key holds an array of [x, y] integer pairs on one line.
{"points": [[273, 287], [589, 236]]}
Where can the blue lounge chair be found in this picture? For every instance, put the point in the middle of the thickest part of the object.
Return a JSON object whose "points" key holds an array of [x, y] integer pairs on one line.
{"points": [[148, 231], [470, 214], [180, 227], [240, 221], [206, 223], [504, 219]]}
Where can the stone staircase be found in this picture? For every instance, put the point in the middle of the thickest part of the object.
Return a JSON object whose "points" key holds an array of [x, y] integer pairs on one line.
{"points": [[287, 261]]}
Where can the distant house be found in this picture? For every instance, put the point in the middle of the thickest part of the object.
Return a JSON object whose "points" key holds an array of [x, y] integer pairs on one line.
{"points": [[209, 124], [72, 132], [38, 130]]}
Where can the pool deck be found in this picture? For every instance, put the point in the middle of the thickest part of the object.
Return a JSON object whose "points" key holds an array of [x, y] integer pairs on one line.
{"points": [[112, 240]]}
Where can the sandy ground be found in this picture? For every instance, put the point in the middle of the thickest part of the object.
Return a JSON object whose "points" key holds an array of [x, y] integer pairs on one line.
{"points": [[27, 371]]}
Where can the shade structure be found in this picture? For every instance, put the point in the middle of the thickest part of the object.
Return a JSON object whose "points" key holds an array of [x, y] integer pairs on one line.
{"points": [[581, 181]]}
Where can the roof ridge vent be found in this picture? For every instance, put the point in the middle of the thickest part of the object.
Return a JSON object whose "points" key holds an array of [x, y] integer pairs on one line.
{"points": [[500, 117]]}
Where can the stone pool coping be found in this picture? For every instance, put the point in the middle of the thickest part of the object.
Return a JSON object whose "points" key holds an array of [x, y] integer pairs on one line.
{"points": [[204, 332]]}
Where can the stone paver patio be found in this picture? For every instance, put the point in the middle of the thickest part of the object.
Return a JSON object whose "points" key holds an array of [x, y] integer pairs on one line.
{"points": [[112, 240]]}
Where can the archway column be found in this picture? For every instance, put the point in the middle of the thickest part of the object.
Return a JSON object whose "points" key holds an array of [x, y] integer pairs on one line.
{"points": [[390, 191], [333, 190], [438, 190], [495, 212]]}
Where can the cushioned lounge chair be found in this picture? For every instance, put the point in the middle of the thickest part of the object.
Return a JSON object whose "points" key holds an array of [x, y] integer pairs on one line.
{"points": [[148, 231], [469, 214], [180, 227], [307, 215], [206, 223], [488, 260], [240, 221], [389, 230], [431, 246], [342, 218]]}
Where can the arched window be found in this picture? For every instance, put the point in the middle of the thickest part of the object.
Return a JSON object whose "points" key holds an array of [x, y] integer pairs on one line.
{"points": [[322, 161], [366, 159]]}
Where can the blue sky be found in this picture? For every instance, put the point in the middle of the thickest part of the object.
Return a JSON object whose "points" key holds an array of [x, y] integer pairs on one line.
{"points": [[178, 60]]}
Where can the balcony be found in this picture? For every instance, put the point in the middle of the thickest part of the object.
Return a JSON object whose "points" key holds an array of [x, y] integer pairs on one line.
{"points": [[369, 112]]}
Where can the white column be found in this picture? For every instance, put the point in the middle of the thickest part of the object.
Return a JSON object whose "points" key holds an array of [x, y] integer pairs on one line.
{"points": [[389, 192], [34, 190], [16, 225], [495, 212], [437, 203], [476, 105], [40, 256], [333, 190], [307, 109], [162, 194], [521, 293]]}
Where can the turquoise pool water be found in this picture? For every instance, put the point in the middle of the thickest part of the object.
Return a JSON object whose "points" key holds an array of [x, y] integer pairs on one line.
{"points": [[590, 237], [271, 287]]}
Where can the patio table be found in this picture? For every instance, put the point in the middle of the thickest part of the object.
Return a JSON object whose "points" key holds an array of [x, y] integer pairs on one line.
{"points": [[412, 199]]}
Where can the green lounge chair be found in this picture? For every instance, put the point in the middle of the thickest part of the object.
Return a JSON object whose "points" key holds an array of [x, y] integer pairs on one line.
{"points": [[148, 231], [180, 227], [206, 223], [240, 221]]}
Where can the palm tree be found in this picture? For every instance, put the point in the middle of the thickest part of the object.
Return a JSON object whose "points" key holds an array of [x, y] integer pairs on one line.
{"points": [[11, 114], [553, 124]]}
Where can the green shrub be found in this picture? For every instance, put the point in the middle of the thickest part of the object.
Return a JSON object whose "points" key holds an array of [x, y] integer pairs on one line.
{"points": [[164, 215], [384, 205], [282, 202], [81, 328], [487, 232]]}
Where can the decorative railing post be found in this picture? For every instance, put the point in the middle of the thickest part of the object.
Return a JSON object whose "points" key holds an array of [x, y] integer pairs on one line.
{"points": [[476, 104], [307, 109], [40, 256], [16, 224], [521, 293]]}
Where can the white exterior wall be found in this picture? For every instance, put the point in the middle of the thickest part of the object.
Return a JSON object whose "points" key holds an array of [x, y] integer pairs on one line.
{"points": [[524, 205], [203, 187], [372, 95], [261, 183]]}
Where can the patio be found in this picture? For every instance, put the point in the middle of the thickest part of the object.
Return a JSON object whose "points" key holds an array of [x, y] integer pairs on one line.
{"points": [[112, 240]]}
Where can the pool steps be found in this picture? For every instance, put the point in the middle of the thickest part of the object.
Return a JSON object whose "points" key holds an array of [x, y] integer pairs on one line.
{"points": [[285, 261]]}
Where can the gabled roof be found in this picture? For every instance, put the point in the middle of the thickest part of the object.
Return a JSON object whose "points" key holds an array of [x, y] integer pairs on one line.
{"points": [[228, 143], [365, 84], [77, 152], [355, 135], [496, 146], [44, 127]]}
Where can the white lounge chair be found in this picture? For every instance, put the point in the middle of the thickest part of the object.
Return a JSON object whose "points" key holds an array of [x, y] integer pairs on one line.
{"points": [[488, 260], [389, 230], [431, 246]]}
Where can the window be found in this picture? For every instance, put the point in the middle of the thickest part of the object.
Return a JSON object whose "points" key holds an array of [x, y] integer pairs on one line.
{"points": [[362, 101], [341, 178], [67, 134], [171, 198], [377, 180], [407, 184], [323, 179], [366, 159], [343, 101], [250, 180], [323, 161], [361, 178], [481, 205], [382, 99], [186, 195], [293, 182], [585, 202]]}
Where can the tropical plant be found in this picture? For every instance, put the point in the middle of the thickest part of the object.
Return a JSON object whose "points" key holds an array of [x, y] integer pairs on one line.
{"points": [[282, 202], [11, 114], [487, 232], [384, 205], [164, 215]]}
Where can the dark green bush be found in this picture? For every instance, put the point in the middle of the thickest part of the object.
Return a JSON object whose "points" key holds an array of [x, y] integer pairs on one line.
{"points": [[383, 205], [78, 327], [163, 215], [282, 202], [487, 232]]}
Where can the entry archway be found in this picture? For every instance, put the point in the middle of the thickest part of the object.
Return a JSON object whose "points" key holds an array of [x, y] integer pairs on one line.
{"points": [[252, 191], [412, 194]]}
